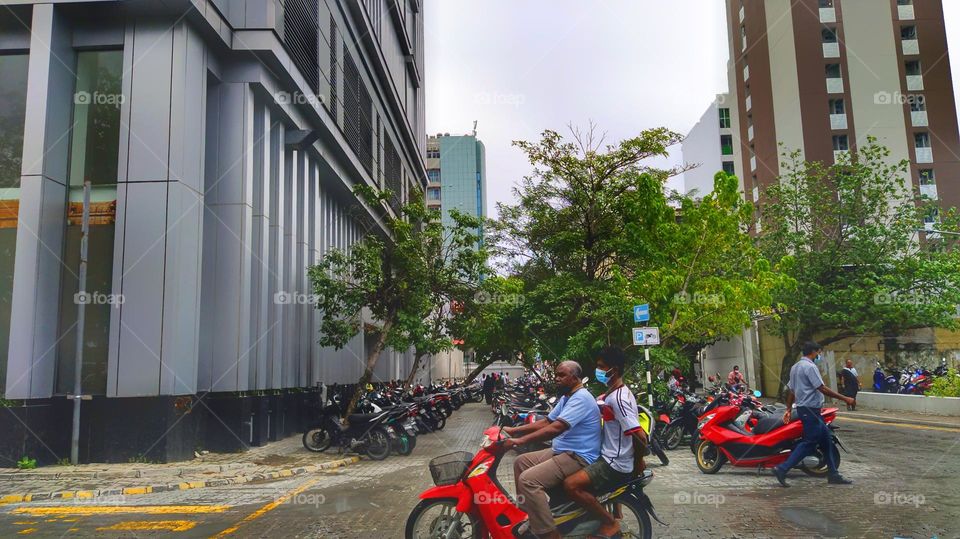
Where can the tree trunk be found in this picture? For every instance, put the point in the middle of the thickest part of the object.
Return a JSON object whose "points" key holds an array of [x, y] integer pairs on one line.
{"points": [[789, 359], [476, 372], [413, 370], [372, 355]]}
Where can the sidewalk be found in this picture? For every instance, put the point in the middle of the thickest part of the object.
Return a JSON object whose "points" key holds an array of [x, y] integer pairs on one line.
{"points": [[886, 416], [276, 460]]}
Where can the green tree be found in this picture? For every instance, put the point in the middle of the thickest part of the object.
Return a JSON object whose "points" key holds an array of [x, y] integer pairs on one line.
{"points": [[397, 283], [847, 236], [593, 233]]}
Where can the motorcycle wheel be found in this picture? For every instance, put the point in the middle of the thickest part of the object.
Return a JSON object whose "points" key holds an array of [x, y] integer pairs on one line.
{"points": [[658, 451], [694, 442], [820, 468], [317, 440], [378, 444], [439, 518], [709, 458], [636, 525], [439, 422], [672, 436]]}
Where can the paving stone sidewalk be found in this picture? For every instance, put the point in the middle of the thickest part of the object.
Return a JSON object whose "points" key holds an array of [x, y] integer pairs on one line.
{"points": [[277, 460]]}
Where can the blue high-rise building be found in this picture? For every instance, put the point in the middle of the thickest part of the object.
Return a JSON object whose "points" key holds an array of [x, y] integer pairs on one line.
{"points": [[456, 170]]}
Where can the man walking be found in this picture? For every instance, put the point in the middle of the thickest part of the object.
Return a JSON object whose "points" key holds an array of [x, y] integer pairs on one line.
{"points": [[806, 389], [574, 427], [849, 379]]}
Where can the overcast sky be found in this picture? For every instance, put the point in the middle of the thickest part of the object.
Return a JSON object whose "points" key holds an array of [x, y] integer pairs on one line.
{"points": [[522, 66]]}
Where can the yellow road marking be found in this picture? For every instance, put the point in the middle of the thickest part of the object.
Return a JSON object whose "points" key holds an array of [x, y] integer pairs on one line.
{"points": [[122, 509], [904, 425], [27, 531], [150, 525], [25, 522], [267, 508]]}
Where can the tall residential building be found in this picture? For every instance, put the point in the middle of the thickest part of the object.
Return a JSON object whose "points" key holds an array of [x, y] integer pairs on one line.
{"points": [[710, 144], [457, 177], [222, 140], [820, 76]]}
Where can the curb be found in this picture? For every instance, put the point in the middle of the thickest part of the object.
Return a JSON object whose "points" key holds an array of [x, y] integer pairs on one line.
{"points": [[928, 422], [168, 487]]}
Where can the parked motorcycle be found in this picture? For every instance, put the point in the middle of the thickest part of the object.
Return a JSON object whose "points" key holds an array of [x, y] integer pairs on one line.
{"points": [[365, 433]]}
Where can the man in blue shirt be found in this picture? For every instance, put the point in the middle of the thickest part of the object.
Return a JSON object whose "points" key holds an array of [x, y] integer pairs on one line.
{"points": [[807, 390], [574, 427]]}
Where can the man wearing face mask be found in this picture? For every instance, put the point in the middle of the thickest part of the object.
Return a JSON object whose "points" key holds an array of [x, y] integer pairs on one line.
{"points": [[807, 390], [574, 427]]}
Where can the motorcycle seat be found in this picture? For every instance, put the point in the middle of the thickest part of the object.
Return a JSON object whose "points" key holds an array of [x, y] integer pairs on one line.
{"points": [[359, 419], [767, 424]]}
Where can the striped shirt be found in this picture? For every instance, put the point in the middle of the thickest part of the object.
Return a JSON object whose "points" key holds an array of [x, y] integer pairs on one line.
{"points": [[620, 420]]}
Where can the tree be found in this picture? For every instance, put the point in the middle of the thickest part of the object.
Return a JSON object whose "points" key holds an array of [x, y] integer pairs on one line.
{"points": [[397, 281], [593, 233], [847, 237]]}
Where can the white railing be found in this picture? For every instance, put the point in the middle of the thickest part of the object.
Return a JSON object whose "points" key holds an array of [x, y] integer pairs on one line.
{"points": [[906, 13], [910, 47], [838, 121], [929, 191], [753, 164], [915, 83], [835, 85], [831, 50], [919, 118], [841, 155], [828, 14], [746, 72], [749, 102], [750, 133], [924, 155]]}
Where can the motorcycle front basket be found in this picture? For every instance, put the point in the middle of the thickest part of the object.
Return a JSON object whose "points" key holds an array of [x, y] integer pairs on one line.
{"points": [[448, 469]]}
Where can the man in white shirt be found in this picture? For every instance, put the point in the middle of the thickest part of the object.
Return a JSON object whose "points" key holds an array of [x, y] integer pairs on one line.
{"points": [[624, 440]]}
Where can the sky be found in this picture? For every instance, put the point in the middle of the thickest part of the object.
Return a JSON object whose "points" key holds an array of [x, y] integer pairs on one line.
{"points": [[518, 67]]}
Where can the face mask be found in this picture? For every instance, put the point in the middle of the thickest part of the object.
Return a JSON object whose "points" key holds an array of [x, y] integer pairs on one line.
{"points": [[602, 376], [817, 359]]}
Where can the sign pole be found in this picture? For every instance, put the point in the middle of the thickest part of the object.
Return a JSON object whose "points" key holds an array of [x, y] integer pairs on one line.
{"points": [[646, 359], [81, 311]]}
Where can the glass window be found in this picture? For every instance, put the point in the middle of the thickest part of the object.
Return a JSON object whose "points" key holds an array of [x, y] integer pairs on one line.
{"points": [[433, 194], [726, 144], [841, 143], [724, 118], [829, 35], [927, 177], [433, 153], [922, 140], [13, 104], [826, 3], [837, 106], [433, 175], [904, 2], [94, 151], [908, 32], [728, 167], [913, 68], [917, 103], [833, 71]]}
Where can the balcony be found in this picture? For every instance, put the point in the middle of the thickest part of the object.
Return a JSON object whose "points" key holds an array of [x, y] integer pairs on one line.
{"points": [[841, 156], [918, 118], [924, 155], [750, 133], [756, 194], [831, 50], [929, 191], [906, 13], [910, 47], [746, 73], [828, 14], [838, 121], [835, 85], [743, 13], [748, 103], [759, 229], [753, 164], [915, 83]]}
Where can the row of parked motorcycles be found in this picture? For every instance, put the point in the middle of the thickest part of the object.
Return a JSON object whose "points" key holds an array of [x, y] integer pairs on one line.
{"points": [[913, 380], [732, 425], [387, 419]]}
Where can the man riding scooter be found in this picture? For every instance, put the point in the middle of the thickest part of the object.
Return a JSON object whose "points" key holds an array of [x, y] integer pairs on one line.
{"points": [[574, 427]]}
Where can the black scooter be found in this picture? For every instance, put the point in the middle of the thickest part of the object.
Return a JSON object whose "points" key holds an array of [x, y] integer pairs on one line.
{"points": [[365, 433]]}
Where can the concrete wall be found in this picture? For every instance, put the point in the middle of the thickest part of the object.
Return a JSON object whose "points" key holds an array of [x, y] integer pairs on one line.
{"points": [[946, 406]]}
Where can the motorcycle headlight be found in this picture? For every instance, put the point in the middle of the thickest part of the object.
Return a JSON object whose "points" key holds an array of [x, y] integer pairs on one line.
{"points": [[480, 469], [704, 421]]}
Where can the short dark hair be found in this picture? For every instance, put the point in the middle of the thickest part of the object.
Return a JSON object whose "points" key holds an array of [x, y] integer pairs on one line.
{"points": [[614, 357], [810, 347]]}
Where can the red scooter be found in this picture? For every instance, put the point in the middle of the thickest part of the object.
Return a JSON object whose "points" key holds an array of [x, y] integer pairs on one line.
{"points": [[759, 440], [469, 502]]}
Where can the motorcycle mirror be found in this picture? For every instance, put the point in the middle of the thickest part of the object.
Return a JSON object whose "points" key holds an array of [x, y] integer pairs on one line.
{"points": [[552, 400], [756, 393]]}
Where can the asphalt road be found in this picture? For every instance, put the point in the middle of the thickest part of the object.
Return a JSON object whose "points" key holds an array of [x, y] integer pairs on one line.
{"points": [[906, 486]]}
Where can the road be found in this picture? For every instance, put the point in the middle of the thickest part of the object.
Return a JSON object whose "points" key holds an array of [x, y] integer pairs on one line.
{"points": [[906, 486]]}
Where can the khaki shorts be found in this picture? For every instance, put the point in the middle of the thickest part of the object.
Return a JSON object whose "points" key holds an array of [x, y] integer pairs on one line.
{"points": [[603, 477]]}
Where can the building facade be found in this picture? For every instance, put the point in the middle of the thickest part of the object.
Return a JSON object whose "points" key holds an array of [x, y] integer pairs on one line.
{"points": [[457, 176], [710, 146], [820, 76], [222, 140]]}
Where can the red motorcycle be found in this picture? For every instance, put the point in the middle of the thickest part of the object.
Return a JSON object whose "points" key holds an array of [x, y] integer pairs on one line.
{"points": [[469, 502], [756, 438]]}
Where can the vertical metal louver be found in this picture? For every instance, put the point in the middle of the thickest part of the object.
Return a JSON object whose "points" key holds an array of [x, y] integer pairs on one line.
{"points": [[334, 70], [300, 37], [357, 111], [393, 173]]}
